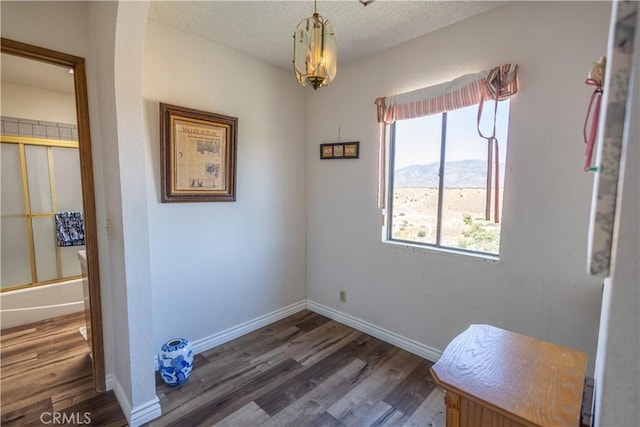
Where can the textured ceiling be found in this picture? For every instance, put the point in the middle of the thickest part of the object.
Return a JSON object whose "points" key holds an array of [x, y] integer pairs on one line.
{"points": [[264, 29]]}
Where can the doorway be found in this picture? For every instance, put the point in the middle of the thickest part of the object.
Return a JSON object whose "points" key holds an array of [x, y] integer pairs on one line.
{"points": [[76, 66]]}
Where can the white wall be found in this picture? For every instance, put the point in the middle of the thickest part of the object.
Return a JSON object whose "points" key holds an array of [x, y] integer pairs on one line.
{"points": [[102, 33], [102, 18], [217, 265], [61, 26], [540, 286], [37, 104], [135, 291], [617, 379]]}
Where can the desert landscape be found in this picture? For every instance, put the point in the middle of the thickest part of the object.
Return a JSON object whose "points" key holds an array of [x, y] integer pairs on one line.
{"points": [[463, 222]]}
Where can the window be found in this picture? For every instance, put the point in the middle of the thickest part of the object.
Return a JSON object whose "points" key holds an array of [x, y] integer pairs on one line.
{"points": [[437, 184]]}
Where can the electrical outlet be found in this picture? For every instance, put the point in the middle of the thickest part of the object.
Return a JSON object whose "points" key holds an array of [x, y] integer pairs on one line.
{"points": [[343, 296]]}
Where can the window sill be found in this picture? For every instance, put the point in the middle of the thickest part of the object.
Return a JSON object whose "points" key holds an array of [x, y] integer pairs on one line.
{"points": [[447, 252]]}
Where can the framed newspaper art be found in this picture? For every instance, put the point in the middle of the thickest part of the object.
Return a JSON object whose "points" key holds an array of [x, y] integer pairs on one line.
{"points": [[198, 155]]}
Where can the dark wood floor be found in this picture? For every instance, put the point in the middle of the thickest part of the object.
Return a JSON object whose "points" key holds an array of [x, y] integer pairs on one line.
{"points": [[45, 369], [305, 370]]}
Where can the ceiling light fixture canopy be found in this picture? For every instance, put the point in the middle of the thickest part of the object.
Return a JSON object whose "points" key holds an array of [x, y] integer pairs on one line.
{"points": [[315, 55]]}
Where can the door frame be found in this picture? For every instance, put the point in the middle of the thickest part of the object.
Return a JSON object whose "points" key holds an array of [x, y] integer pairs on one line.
{"points": [[76, 63]]}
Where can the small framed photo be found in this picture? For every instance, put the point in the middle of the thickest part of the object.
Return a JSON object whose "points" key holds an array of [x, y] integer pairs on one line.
{"points": [[198, 155], [326, 151], [340, 150], [351, 150]]}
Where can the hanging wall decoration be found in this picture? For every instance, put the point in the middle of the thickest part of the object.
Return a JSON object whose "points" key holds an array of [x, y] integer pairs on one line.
{"points": [[595, 79], [340, 150], [198, 155]]}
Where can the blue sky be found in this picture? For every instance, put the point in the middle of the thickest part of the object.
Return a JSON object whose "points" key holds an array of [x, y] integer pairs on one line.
{"points": [[420, 138]]}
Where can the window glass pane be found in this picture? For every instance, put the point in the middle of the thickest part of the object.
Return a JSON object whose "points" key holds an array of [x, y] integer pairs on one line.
{"points": [[465, 176], [414, 180], [45, 245], [16, 266], [66, 166], [38, 177], [12, 202], [416, 163]]}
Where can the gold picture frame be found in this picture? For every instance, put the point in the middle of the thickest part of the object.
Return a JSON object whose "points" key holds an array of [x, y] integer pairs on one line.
{"points": [[340, 150], [198, 155]]}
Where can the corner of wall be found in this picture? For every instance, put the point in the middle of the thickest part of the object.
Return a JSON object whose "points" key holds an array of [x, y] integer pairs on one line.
{"points": [[135, 415]]}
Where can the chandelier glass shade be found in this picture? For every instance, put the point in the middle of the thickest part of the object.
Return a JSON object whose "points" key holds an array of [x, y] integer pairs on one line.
{"points": [[314, 51]]}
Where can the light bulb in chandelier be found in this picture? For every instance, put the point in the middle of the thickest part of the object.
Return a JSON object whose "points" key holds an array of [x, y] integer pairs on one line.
{"points": [[314, 51]]}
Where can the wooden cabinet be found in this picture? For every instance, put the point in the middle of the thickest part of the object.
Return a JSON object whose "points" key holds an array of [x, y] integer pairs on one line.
{"points": [[494, 377]]}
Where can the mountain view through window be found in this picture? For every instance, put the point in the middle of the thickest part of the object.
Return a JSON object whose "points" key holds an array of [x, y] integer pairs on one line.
{"points": [[451, 213]]}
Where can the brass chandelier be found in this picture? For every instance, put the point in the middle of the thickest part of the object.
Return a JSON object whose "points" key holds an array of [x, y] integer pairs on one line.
{"points": [[314, 51]]}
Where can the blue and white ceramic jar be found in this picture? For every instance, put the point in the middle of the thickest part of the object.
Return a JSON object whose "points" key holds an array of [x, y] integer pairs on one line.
{"points": [[176, 361]]}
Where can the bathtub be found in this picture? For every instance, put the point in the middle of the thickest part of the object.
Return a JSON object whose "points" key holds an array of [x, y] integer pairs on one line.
{"points": [[40, 302]]}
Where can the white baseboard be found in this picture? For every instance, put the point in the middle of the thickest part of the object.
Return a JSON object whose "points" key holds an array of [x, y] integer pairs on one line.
{"points": [[404, 343], [121, 396], [151, 410], [227, 335], [146, 412], [141, 413]]}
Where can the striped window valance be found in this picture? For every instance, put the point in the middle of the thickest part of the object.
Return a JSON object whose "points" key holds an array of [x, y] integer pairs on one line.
{"points": [[471, 89], [459, 93]]}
